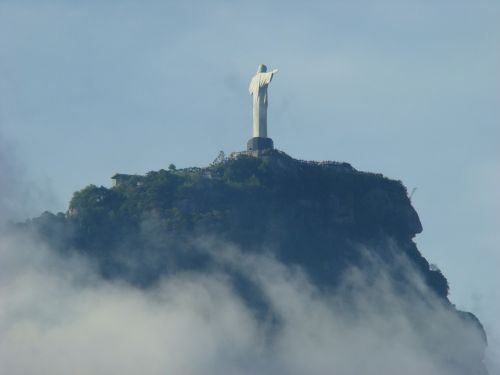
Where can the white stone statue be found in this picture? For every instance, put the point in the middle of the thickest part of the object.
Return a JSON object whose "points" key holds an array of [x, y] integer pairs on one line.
{"points": [[258, 89]]}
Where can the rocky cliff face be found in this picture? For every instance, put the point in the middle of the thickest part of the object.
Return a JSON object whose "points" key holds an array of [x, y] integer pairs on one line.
{"points": [[325, 218]]}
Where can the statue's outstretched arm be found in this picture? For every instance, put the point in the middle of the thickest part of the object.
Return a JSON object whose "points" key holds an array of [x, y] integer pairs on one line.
{"points": [[274, 71]]}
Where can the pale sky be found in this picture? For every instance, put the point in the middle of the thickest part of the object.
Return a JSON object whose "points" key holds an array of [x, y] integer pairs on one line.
{"points": [[410, 89]]}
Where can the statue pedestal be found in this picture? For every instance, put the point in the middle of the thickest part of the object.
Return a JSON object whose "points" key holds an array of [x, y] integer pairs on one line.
{"points": [[259, 144]]}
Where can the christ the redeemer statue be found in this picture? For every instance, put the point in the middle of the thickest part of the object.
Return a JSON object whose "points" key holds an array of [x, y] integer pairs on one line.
{"points": [[258, 90]]}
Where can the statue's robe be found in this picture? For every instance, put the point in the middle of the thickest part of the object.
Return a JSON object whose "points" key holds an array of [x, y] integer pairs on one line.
{"points": [[258, 89]]}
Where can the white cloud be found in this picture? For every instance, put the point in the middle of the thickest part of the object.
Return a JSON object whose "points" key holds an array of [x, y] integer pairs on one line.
{"points": [[58, 317]]}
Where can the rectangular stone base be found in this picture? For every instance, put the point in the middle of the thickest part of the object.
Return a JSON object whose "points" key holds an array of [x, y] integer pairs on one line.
{"points": [[259, 144]]}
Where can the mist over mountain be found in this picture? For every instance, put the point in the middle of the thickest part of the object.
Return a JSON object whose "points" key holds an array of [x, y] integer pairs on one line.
{"points": [[261, 264]]}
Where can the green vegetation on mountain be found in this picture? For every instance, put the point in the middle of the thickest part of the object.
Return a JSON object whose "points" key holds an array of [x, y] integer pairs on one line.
{"points": [[316, 215]]}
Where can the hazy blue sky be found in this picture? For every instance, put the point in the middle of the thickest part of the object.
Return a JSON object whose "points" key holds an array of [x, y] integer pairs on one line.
{"points": [[410, 89]]}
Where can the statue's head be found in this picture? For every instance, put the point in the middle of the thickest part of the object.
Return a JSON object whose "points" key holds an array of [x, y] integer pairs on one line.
{"points": [[262, 68]]}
